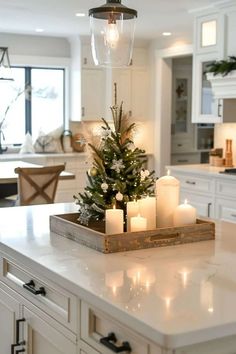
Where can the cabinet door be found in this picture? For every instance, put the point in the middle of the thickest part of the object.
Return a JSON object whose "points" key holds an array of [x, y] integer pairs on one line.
{"points": [[9, 313], [230, 25], [140, 90], [122, 77], [203, 204], [203, 104], [93, 94], [208, 33], [42, 337]]}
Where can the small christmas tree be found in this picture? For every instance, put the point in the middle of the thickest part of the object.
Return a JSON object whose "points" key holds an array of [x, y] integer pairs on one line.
{"points": [[117, 175]]}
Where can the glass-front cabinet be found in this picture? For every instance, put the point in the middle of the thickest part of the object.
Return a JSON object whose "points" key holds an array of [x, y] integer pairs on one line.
{"points": [[208, 34], [204, 106]]}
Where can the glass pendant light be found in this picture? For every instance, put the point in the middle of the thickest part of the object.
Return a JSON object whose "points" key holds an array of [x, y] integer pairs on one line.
{"points": [[5, 67], [112, 33]]}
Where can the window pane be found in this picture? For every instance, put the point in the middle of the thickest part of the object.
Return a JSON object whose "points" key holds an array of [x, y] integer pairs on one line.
{"points": [[47, 100], [14, 125]]}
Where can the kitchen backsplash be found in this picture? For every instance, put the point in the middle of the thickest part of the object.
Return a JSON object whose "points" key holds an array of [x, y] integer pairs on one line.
{"points": [[223, 132]]}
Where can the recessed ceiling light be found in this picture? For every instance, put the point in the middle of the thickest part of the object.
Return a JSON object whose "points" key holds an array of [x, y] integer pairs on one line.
{"points": [[80, 14], [39, 30], [166, 34]]}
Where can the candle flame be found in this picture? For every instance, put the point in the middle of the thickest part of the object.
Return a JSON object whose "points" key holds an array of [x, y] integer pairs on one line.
{"points": [[114, 207], [186, 201], [168, 172]]}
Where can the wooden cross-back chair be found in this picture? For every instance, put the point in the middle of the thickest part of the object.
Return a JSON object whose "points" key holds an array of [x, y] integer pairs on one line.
{"points": [[38, 185]]}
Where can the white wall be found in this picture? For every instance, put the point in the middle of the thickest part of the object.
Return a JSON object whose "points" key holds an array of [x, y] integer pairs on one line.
{"points": [[35, 45], [223, 132]]}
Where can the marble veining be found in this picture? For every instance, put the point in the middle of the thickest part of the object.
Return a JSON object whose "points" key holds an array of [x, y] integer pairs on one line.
{"points": [[176, 295]]}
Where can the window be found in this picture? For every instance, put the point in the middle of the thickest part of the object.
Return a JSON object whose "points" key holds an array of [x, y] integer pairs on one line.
{"points": [[43, 110]]}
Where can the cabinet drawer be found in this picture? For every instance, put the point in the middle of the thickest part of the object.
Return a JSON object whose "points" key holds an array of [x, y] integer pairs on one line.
{"points": [[193, 183], [182, 159], [181, 145], [226, 210], [97, 325], [226, 189], [56, 301]]}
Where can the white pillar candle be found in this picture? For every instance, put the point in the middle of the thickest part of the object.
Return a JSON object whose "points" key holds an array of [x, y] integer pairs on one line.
{"points": [[185, 214], [147, 209], [138, 223], [167, 195], [114, 220], [132, 210]]}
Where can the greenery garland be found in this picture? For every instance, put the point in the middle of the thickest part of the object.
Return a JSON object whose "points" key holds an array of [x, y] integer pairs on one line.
{"points": [[222, 67]]}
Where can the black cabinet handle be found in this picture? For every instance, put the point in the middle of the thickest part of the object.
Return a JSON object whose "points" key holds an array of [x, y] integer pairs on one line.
{"points": [[31, 288], [190, 182], [18, 342], [208, 209], [109, 341]]}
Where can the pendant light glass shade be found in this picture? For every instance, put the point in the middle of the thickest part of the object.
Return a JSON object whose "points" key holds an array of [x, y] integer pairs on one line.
{"points": [[5, 67], [112, 33]]}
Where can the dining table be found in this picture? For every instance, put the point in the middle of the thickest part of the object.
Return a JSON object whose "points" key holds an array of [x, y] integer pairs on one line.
{"points": [[8, 177]]}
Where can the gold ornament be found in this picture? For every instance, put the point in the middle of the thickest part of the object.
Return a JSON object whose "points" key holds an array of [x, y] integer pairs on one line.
{"points": [[93, 172]]}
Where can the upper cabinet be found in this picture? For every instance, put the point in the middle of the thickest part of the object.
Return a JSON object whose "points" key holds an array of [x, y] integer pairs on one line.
{"points": [[207, 48], [214, 39], [97, 87]]}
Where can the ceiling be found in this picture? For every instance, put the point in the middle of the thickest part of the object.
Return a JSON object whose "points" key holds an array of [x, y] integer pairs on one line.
{"points": [[57, 17]]}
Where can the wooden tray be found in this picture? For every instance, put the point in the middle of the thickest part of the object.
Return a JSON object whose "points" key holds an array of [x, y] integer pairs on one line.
{"points": [[94, 236]]}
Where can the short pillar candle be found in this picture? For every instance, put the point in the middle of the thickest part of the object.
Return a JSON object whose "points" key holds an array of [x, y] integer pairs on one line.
{"points": [[167, 195], [185, 214], [132, 210], [138, 223], [114, 221]]}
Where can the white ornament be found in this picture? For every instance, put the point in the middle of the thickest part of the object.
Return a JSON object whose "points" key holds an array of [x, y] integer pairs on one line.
{"points": [[105, 133], [104, 187], [117, 165], [144, 174], [119, 196]]}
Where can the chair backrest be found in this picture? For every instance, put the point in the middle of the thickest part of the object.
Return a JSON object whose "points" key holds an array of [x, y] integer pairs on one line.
{"points": [[38, 185]]}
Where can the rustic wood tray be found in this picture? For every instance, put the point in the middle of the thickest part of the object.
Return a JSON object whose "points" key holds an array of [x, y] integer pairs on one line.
{"points": [[94, 235]]}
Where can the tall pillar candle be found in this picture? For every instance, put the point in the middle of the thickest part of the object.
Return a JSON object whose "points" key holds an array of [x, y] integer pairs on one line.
{"points": [[132, 210], [167, 195], [147, 209], [114, 221]]}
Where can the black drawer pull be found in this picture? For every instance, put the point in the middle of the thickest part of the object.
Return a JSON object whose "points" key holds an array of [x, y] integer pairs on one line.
{"points": [[109, 341], [182, 160], [190, 182], [233, 215], [31, 288]]}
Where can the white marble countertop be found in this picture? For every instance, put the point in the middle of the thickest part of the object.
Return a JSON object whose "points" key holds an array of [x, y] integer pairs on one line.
{"points": [[174, 296], [202, 169]]}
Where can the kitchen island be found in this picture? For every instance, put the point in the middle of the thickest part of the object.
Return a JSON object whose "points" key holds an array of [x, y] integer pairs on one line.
{"points": [[178, 299]]}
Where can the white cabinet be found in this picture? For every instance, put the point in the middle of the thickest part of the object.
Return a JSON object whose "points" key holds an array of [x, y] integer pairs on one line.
{"points": [[9, 313], [105, 334], [213, 196], [204, 104], [37, 316], [198, 190], [122, 78], [42, 337], [93, 95], [97, 87]]}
